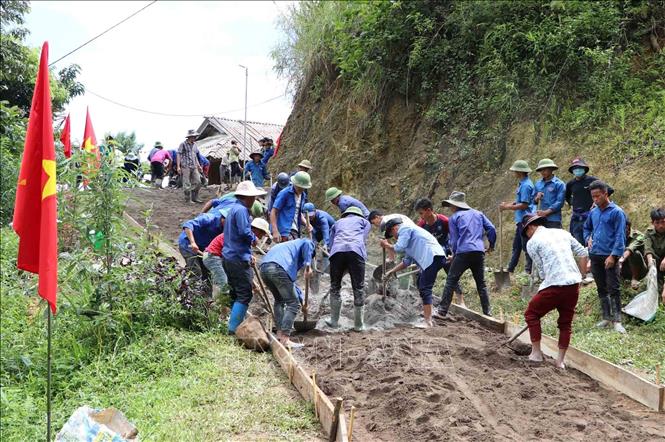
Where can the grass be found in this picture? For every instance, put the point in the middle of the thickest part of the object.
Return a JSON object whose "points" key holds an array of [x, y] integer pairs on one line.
{"points": [[174, 384], [640, 350], [177, 385]]}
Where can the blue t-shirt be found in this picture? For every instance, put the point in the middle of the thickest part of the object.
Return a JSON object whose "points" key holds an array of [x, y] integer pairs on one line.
{"points": [[525, 193], [204, 227], [291, 255], [346, 201], [285, 204], [554, 195], [238, 236]]}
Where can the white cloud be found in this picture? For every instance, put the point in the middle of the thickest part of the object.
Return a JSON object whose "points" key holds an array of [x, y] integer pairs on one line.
{"points": [[174, 57]]}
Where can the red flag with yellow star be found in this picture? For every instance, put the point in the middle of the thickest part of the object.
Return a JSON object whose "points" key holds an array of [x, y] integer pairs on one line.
{"points": [[89, 140], [65, 138], [35, 209]]}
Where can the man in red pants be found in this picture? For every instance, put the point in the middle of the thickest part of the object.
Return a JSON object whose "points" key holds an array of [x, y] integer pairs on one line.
{"points": [[553, 252]]}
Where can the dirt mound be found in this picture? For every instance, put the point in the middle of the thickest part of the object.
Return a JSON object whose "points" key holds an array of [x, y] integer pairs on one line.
{"points": [[455, 382]]}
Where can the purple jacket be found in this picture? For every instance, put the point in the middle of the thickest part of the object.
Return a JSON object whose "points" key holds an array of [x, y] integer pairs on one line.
{"points": [[349, 234], [467, 230]]}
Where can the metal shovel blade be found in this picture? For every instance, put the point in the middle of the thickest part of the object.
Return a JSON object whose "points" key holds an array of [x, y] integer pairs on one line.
{"points": [[305, 325], [501, 279]]}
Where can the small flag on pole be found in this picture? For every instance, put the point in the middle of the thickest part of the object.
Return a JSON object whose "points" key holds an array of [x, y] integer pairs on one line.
{"points": [[65, 138], [277, 143], [35, 214]]}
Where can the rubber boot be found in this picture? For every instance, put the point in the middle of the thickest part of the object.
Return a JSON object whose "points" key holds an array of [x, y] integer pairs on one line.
{"points": [[335, 308], [195, 196], [238, 312], [358, 319], [187, 196]]}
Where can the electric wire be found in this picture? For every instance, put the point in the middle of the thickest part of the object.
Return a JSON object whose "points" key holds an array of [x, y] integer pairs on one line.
{"points": [[103, 32]]}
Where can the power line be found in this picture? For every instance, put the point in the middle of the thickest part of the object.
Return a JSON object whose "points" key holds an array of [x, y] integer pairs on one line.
{"points": [[165, 114], [104, 32]]}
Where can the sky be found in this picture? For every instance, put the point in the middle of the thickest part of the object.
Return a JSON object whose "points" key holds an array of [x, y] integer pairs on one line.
{"points": [[174, 57]]}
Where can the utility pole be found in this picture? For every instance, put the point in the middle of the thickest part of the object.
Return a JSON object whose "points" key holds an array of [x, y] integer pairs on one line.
{"points": [[244, 135]]}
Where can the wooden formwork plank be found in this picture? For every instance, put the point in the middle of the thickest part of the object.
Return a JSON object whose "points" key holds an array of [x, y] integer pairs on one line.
{"points": [[486, 321], [605, 372], [324, 408], [163, 247]]}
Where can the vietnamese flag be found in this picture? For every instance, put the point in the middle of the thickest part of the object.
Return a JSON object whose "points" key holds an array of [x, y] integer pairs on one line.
{"points": [[65, 138], [35, 209], [89, 139]]}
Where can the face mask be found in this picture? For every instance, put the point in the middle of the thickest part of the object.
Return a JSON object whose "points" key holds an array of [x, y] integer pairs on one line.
{"points": [[578, 172]]}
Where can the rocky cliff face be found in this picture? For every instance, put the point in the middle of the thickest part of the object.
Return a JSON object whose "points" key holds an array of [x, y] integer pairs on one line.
{"points": [[388, 155]]}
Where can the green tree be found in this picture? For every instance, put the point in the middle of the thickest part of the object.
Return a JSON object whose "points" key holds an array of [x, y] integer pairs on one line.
{"points": [[126, 141]]}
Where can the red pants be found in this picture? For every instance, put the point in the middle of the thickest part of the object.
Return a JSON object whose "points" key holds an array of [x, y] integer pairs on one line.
{"points": [[560, 297]]}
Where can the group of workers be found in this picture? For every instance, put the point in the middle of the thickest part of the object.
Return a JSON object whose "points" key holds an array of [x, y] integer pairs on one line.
{"points": [[600, 243]]}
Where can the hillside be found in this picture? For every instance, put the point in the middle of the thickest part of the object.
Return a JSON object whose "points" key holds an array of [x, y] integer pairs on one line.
{"points": [[395, 101]]}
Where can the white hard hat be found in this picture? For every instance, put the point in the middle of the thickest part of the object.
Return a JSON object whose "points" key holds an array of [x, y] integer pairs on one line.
{"points": [[247, 188], [261, 224]]}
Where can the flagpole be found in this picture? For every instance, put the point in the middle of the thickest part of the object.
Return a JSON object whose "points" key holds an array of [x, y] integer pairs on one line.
{"points": [[48, 377]]}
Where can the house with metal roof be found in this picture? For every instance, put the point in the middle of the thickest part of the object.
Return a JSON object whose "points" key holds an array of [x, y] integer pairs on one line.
{"points": [[216, 134]]}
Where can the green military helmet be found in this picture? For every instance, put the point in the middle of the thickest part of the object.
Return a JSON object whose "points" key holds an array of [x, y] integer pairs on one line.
{"points": [[305, 164], [354, 210], [158, 144], [257, 209], [332, 193], [546, 163], [302, 180], [520, 166]]}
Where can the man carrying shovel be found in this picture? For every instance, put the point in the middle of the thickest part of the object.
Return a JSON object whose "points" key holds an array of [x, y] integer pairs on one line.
{"points": [[421, 248], [553, 251], [279, 270]]}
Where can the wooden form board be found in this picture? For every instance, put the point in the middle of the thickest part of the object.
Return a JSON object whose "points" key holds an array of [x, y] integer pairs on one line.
{"points": [[163, 247], [611, 375], [323, 406]]}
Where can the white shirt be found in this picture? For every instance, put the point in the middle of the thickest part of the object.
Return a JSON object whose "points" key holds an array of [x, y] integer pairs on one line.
{"points": [[553, 252], [405, 220], [294, 225]]}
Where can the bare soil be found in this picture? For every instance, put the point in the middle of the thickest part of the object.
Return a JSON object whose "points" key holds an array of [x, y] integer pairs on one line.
{"points": [[450, 382], [455, 382]]}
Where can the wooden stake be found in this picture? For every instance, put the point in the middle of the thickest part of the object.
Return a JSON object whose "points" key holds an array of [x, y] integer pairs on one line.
{"points": [[500, 313], [335, 422], [315, 395], [516, 318], [353, 415], [658, 374]]}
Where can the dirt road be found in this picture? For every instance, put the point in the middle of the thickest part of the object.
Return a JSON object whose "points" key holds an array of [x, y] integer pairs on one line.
{"points": [[451, 383]]}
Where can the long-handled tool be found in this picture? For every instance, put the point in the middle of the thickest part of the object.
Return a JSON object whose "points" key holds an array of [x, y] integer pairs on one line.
{"points": [[315, 274], [383, 272], [264, 294], [501, 276], [305, 325], [515, 336]]}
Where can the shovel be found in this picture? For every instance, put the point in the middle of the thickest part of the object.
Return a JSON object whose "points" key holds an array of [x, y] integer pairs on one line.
{"points": [[501, 276], [515, 336], [305, 325], [264, 294], [315, 273]]}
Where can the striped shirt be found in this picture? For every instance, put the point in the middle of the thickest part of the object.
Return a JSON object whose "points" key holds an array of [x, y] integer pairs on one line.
{"points": [[188, 155]]}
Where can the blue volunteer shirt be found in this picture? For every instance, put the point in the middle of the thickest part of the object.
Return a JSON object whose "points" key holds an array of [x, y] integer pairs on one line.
{"points": [[238, 236], [349, 234], [554, 195], [467, 230], [525, 193], [322, 222], [203, 161], [258, 172], [285, 204], [418, 245], [346, 201], [267, 154], [274, 191], [607, 229], [291, 256], [204, 227], [174, 156]]}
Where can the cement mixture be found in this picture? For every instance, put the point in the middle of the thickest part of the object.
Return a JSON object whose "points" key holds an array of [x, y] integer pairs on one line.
{"points": [[455, 382]]}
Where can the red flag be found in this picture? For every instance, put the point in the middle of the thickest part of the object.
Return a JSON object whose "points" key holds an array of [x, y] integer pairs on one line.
{"points": [[65, 138], [35, 209], [277, 143], [90, 146]]}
